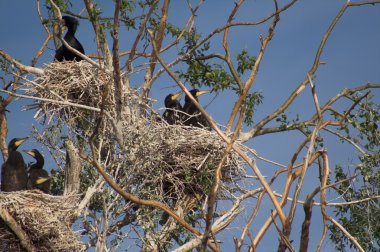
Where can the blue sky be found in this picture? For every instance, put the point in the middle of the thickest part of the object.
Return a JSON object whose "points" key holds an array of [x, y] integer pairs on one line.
{"points": [[352, 57]]}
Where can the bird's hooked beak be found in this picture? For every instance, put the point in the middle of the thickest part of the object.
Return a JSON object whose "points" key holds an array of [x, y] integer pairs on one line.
{"points": [[30, 152], [199, 93], [20, 141], [41, 180], [175, 96]]}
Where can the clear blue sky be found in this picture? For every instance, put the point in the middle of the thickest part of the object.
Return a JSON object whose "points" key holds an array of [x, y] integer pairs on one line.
{"points": [[352, 57]]}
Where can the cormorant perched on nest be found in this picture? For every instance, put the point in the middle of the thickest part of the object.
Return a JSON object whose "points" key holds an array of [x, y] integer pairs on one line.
{"points": [[173, 112], [38, 177], [13, 171], [193, 116], [63, 53]]}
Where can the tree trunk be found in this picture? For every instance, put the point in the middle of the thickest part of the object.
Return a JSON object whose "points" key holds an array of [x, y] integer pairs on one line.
{"points": [[72, 169]]}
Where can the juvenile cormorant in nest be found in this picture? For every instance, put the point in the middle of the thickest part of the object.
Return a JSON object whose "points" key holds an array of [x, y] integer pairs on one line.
{"points": [[63, 53], [13, 171], [172, 114], [193, 116], [38, 177]]}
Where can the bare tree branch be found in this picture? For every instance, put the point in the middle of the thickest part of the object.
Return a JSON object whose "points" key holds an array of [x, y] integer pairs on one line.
{"points": [[307, 207], [100, 36], [118, 83], [255, 69], [48, 37], [72, 170], [302, 85], [24, 68]]}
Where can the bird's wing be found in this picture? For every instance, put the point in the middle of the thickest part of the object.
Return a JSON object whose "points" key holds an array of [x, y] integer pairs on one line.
{"points": [[79, 46], [59, 54]]}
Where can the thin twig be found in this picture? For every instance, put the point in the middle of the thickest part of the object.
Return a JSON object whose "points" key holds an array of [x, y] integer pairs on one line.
{"points": [[48, 37], [67, 103], [254, 70], [302, 85]]}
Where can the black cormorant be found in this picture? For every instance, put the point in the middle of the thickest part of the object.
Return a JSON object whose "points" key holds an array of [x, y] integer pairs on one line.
{"points": [[38, 177], [13, 171], [193, 116], [63, 53], [172, 114]]}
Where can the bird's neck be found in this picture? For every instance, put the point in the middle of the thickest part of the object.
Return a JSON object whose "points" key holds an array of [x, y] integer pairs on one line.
{"points": [[191, 103], [15, 157], [71, 31], [40, 162]]}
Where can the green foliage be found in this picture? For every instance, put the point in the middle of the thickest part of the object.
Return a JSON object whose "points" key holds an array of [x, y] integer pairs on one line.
{"points": [[364, 123], [245, 62], [204, 70], [286, 123], [4, 65], [207, 69], [173, 30], [283, 120], [361, 219], [57, 182], [252, 100]]}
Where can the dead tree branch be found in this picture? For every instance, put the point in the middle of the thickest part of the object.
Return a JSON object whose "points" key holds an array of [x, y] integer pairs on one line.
{"points": [[22, 67]]}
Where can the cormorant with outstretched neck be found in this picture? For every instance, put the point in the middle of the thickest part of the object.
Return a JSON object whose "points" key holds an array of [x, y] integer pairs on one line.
{"points": [[38, 177], [13, 171], [172, 114], [193, 116], [63, 53]]}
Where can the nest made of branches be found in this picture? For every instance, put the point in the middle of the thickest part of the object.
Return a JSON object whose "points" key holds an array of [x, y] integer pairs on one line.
{"points": [[66, 83], [158, 161], [173, 161], [45, 219]]}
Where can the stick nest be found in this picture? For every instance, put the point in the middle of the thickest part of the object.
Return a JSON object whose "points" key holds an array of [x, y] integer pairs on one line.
{"points": [[64, 83], [157, 160], [171, 162], [45, 219]]}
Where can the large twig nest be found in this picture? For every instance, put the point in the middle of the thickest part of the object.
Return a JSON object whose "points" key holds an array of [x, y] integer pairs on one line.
{"points": [[166, 161], [45, 219], [67, 83], [157, 160]]}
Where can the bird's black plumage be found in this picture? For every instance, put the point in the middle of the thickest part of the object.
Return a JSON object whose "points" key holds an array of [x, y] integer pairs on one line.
{"points": [[63, 53], [13, 172], [38, 177], [172, 114], [193, 116]]}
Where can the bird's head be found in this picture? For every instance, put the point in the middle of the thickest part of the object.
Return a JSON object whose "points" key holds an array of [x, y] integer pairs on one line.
{"points": [[36, 155], [196, 93], [32, 152], [171, 99], [16, 142], [70, 22]]}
